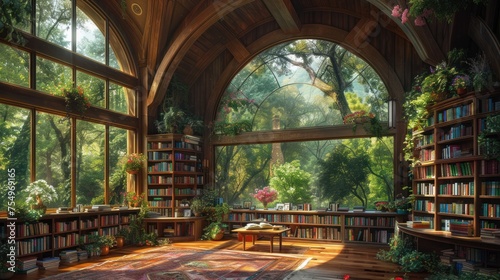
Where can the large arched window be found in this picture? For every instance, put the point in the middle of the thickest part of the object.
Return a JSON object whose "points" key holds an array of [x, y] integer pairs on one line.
{"points": [[304, 86], [74, 45]]}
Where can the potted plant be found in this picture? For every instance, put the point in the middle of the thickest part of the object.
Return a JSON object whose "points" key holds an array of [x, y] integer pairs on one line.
{"points": [[461, 83], [134, 199], [121, 237], [215, 229], [76, 101], [266, 195], [133, 163], [197, 206], [40, 192], [488, 139], [480, 72], [105, 242], [438, 82]]}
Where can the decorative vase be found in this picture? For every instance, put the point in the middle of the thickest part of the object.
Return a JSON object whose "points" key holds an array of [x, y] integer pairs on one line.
{"points": [[264, 204], [120, 240], [104, 250], [188, 130]]}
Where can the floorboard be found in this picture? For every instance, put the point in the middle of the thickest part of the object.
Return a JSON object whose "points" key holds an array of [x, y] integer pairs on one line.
{"points": [[327, 260]]}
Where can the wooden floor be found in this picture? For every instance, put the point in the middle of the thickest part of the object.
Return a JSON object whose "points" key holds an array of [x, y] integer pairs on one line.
{"points": [[328, 260]]}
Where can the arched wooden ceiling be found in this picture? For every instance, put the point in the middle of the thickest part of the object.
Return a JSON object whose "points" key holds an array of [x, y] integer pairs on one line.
{"points": [[205, 42]]}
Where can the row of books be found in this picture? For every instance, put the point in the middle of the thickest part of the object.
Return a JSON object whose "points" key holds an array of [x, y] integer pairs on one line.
{"points": [[418, 224], [490, 188], [457, 208], [490, 210], [455, 113], [457, 188], [425, 189], [454, 132], [457, 169]]}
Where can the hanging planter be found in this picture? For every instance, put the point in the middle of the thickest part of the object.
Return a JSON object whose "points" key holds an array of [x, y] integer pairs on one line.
{"points": [[133, 163]]}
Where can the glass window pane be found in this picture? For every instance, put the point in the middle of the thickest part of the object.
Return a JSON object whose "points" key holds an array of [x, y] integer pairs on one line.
{"points": [[121, 98], [240, 169], [93, 88], [89, 39], [117, 53], [89, 163], [53, 21], [50, 76], [118, 178], [15, 137], [53, 156], [14, 66]]}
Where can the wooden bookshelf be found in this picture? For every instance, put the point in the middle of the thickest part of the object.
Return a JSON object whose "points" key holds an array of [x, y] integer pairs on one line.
{"points": [[55, 232], [176, 229], [452, 182], [368, 227], [175, 172]]}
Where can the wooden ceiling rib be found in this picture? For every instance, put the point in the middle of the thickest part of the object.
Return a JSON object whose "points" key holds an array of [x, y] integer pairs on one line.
{"points": [[203, 41]]}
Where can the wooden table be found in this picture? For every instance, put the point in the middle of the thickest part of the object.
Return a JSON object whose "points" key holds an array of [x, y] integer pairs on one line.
{"points": [[272, 233]]}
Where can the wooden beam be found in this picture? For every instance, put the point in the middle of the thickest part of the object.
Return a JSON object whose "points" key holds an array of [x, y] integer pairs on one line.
{"points": [[191, 29], [293, 135], [237, 49], [284, 13]]}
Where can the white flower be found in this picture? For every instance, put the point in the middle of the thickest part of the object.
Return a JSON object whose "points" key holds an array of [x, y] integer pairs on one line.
{"points": [[42, 189]]}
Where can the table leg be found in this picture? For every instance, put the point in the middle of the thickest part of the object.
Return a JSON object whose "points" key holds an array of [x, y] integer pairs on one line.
{"points": [[281, 238], [272, 242], [244, 241]]}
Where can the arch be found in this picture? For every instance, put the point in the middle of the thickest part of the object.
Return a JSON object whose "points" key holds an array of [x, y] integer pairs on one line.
{"points": [[368, 53]]}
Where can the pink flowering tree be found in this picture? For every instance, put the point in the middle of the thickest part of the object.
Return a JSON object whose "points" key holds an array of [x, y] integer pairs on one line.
{"points": [[266, 195]]}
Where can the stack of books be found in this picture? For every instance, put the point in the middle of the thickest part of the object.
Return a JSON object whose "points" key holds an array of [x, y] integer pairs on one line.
{"points": [[103, 207], [461, 228], [418, 224], [68, 256], [82, 255], [358, 209], [26, 265], [490, 234], [48, 263], [446, 256], [64, 210]]}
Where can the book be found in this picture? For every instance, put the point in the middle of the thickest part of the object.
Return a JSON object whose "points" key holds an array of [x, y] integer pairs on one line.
{"points": [[27, 271]]}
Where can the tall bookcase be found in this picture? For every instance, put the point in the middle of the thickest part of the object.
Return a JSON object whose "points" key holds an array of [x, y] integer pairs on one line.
{"points": [[175, 172], [454, 185]]}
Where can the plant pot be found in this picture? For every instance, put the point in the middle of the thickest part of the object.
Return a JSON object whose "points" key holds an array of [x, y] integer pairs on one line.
{"points": [[461, 91], [120, 240], [218, 236], [104, 250], [132, 172]]}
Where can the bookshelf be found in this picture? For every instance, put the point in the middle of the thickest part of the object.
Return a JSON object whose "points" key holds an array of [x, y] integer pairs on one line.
{"points": [[368, 227], [176, 229], [453, 184], [175, 172], [55, 232]]}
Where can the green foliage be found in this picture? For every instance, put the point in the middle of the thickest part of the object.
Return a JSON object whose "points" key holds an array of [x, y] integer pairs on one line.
{"points": [[106, 240], [215, 217], [441, 9], [398, 247], [348, 172], [11, 14], [488, 140], [402, 252], [291, 182]]}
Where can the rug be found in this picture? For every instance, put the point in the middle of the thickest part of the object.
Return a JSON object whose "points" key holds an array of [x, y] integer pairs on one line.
{"points": [[166, 263]]}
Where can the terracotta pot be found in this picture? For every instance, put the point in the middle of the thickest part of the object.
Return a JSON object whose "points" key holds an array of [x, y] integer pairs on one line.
{"points": [[120, 240], [132, 171], [104, 250], [218, 236], [461, 91]]}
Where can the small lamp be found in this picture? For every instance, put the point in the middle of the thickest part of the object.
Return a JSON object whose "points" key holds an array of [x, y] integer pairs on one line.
{"points": [[391, 107]]}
